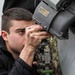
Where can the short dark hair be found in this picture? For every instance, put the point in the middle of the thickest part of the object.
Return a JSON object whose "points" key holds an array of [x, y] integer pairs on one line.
{"points": [[14, 14]]}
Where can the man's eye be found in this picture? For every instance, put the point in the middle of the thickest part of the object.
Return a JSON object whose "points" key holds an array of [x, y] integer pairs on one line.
{"points": [[22, 32]]}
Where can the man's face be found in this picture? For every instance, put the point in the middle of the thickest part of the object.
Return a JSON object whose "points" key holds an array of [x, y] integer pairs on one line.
{"points": [[16, 38]]}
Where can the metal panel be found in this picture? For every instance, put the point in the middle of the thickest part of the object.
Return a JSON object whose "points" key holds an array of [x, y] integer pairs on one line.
{"points": [[66, 50]]}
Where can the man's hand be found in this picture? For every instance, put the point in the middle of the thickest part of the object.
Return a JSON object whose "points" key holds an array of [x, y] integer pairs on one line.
{"points": [[33, 36]]}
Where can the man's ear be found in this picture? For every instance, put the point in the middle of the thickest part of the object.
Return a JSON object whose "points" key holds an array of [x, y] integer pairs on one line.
{"points": [[4, 35]]}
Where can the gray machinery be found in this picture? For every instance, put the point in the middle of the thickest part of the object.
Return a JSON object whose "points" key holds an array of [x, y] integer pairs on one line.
{"points": [[58, 18]]}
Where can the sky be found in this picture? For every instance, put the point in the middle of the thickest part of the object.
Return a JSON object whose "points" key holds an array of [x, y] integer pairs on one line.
{"points": [[1, 5]]}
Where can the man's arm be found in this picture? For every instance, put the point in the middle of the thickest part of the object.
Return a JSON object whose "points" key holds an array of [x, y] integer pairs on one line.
{"points": [[19, 68]]}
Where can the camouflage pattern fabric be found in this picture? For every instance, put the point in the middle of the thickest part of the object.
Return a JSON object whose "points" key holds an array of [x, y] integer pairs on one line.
{"points": [[55, 56]]}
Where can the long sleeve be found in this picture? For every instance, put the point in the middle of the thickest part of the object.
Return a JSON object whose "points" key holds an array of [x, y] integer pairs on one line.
{"points": [[21, 68]]}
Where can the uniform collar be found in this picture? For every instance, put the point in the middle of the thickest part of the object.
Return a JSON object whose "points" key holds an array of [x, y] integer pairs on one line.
{"points": [[2, 44], [3, 48]]}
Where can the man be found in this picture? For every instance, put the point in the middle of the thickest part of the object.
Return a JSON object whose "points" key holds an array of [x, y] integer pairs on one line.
{"points": [[26, 4], [19, 39]]}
